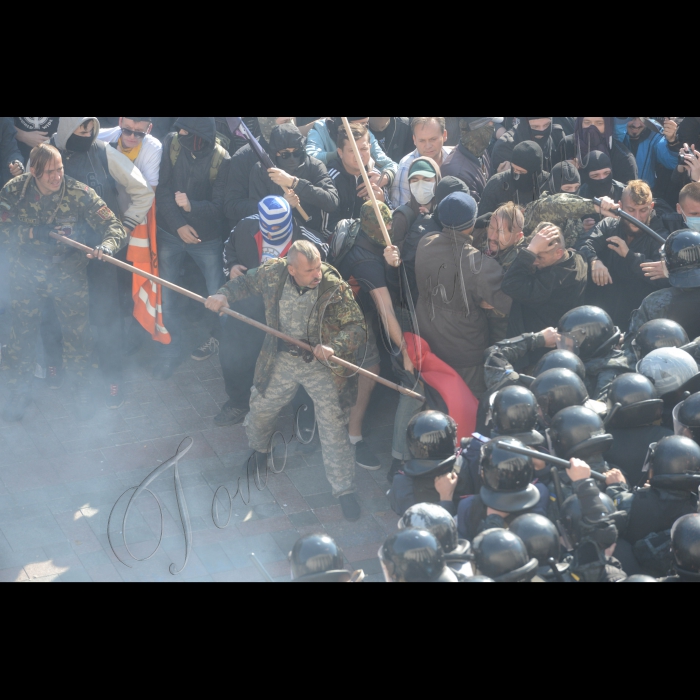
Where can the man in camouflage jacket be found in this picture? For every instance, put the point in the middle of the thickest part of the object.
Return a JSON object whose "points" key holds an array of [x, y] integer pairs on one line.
{"points": [[32, 206], [325, 315]]}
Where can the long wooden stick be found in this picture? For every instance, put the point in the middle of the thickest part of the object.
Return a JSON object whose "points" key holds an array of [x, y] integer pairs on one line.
{"points": [[234, 314], [368, 184]]}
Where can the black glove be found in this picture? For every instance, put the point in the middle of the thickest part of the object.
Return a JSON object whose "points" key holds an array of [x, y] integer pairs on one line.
{"points": [[484, 221]]}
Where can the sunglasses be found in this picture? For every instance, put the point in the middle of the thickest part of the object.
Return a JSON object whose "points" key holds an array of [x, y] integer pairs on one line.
{"points": [[286, 155], [137, 134]]}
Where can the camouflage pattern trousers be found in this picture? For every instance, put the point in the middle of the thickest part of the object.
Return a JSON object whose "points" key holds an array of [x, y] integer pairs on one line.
{"points": [[288, 374], [32, 282]]}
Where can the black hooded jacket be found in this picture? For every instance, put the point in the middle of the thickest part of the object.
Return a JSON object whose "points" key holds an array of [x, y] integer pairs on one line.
{"points": [[501, 189], [315, 190], [542, 297], [630, 287], [552, 146], [191, 174]]}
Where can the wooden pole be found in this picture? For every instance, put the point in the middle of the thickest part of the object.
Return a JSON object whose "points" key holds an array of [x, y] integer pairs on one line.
{"points": [[368, 184], [234, 314]]}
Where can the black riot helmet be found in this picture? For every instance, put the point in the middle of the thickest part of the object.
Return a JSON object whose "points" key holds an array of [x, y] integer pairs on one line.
{"points": [[685, 547], [514, 413], [675, 462], [315, 558], [561, 359], [507, 478], [639, 404], [686, 418], [503, 557], [658, 334], [540, 536], [578, 432], [435, 519], [414, 556], [681, 253], [589, 332], [432, 436], [556, 390], [639, 578], [432, 440]]}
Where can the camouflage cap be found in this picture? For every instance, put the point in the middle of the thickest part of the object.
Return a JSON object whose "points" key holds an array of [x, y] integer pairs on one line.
{"points": [[370, 223]]}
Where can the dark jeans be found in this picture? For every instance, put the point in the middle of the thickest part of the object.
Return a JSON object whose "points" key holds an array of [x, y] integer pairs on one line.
{"points": [[239, 350], [209, 257]]}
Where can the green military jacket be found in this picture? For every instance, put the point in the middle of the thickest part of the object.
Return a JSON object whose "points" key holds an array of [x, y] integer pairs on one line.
{"points": [[22, 207], [563, 210], [336, 321]]}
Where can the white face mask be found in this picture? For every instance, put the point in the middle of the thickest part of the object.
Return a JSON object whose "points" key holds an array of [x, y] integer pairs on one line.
{"points": [[423, 191], [692, 222]]}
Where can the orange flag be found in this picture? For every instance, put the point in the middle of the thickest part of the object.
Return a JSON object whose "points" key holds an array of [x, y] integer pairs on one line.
{"points": [[148, 297]]}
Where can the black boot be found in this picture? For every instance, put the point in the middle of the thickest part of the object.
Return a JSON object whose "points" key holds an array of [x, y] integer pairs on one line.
{"points": [[230, 415], [16, 406], [351, 508]]}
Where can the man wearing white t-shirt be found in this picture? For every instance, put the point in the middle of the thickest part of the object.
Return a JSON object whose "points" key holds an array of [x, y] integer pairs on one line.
{"points": [[133, 138]]}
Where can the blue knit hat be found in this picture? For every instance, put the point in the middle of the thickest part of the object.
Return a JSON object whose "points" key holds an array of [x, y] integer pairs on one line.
{"points": [[276, 220], [458, 211]]}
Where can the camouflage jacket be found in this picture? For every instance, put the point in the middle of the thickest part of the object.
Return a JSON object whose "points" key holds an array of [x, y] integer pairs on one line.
{"points": [[563, 210], [22, 207], [336, 321]]}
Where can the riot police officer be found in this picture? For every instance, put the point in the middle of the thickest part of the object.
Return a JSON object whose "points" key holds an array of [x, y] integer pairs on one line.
{"points": [[415, 556], [659, 334], [502, 556], [685, 549], [557, 389], [590, 333], [318, 559], [686, 418], [435, 519], [432, 443], [634, 411], [674, 478], [561, 359], [541, 538]]}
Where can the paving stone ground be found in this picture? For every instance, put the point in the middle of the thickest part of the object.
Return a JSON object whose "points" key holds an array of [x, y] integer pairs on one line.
{"points": [[59, 480]]}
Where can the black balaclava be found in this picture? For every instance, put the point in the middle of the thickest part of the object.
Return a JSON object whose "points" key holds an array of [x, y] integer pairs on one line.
{"points": [[598, 161], [288, 136], [477, 141], [563, 173], [540, 136], [590, 139], [527, 155], [81, 144]]}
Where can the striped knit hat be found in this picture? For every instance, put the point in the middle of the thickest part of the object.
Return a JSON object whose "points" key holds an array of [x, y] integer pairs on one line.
{"points": [[276, 221]]}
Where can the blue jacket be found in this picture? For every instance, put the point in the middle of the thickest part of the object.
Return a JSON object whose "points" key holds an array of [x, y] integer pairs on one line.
{"points": [[320, 145], [653, 150]]}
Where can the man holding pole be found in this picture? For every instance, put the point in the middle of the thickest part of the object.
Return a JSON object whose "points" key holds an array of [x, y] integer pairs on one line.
{"points": [[309, 301], [31, 207]]}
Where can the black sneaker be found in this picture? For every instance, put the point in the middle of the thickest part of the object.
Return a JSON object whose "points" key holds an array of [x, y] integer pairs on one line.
{"points": [[83, 407], [396, 467], [230, 415], [365, 458], [351, 508], [115, 398], [16, 407], [54, 377], [204, 352]]}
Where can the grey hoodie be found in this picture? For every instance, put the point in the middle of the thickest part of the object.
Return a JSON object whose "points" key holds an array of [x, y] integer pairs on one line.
{"points": [[135, 196]]}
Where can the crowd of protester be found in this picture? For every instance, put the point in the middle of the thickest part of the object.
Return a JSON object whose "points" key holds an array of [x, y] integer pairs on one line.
{"points": [[540, 288]]}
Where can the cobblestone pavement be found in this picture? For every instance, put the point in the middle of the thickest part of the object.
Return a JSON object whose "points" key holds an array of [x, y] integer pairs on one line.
{"points": [[59, 480]]}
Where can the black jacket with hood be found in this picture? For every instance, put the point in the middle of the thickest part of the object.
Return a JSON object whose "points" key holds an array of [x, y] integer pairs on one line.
{"points": [[552, 146], [630, 287], [542, 297], [315, 190], [191, 175], [502, 188]]}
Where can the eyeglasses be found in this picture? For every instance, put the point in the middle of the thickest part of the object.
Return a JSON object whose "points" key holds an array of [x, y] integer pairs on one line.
{"points": [[137, 134], [286, 155]]}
